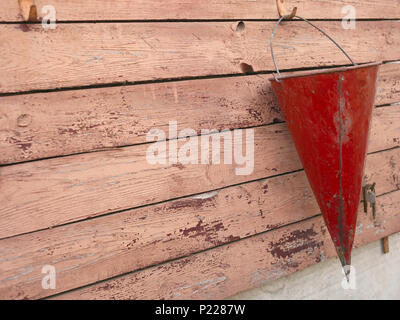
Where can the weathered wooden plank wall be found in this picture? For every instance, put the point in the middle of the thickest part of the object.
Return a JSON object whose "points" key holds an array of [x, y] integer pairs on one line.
{"points": [[77, 192], [245, 264], [146, 236], [62, 190]]}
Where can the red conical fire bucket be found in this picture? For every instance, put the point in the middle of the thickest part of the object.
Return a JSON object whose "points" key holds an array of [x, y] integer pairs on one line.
{"points": [[328, 114]]}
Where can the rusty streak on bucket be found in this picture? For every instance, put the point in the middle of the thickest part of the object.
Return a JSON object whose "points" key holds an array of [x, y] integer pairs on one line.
{"points": [[328, 113]]}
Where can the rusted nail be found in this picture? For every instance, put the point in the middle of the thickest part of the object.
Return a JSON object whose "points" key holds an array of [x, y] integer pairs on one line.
{"points": [[28, 10], [283, 11]]}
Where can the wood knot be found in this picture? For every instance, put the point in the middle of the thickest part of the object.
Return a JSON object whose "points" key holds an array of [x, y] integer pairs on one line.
{"points": [[24, 120]]}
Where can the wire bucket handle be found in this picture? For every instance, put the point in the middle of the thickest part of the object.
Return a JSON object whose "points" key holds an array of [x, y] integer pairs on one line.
{"points": [[323, 32]]}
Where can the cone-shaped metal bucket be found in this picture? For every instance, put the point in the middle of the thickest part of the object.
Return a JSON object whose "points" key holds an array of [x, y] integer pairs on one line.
{"points": [[328, 113]]}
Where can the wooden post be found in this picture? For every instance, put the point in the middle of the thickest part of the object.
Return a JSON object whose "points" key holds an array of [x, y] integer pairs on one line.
{"points": [[385, 242]]}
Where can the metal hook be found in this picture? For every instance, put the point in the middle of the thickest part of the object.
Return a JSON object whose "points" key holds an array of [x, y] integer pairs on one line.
{"points": [[28, 10], [280, 4]]}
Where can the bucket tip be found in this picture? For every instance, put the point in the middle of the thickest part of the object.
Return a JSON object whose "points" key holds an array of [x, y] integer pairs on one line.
{"points": [[347, 270], [346, 264]]}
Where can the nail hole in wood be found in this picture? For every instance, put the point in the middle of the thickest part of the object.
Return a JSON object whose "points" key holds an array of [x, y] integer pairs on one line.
{"points": [[240, 26], [246, 68]]}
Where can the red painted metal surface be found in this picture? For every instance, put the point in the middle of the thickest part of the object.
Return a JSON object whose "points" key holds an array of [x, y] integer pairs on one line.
{"points": [[328, 114]]}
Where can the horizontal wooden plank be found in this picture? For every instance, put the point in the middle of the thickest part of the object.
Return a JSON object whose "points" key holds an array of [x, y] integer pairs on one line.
{"points": [[384, 120], [229, 269], [89, 54], [34, 126], [193, 9], [388, 86], [42, 194], [97, 249]]}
